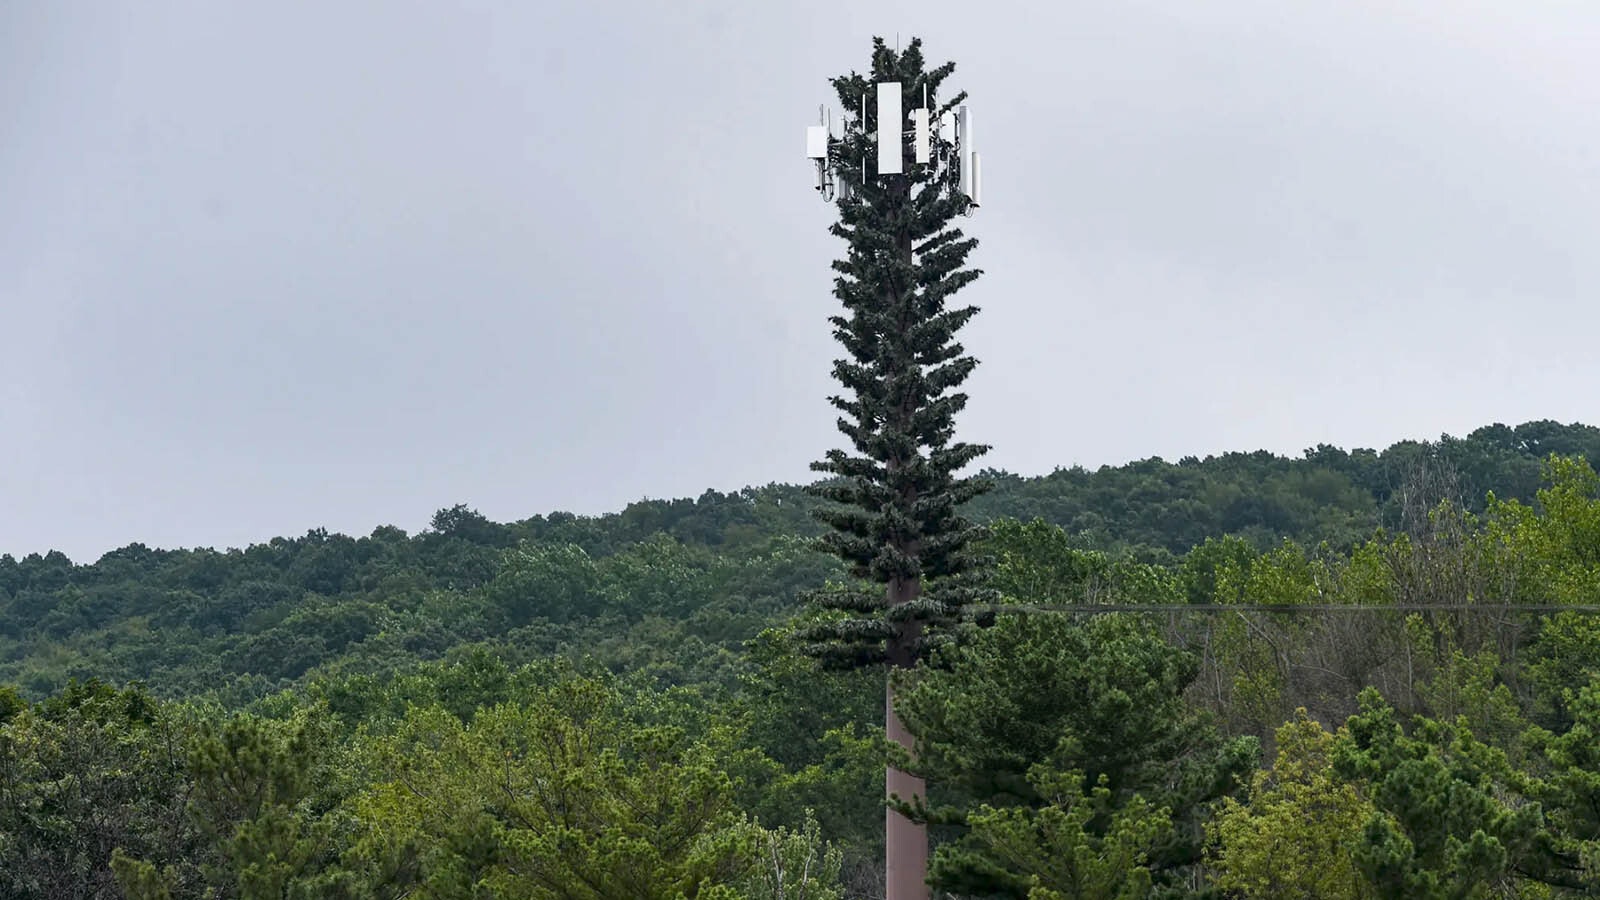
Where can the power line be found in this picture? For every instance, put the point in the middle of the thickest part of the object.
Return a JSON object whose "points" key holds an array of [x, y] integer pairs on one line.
{"points": [[1105, 608]]}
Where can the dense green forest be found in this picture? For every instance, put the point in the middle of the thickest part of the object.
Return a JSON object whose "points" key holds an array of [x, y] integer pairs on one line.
{"points": [[611, 707]]}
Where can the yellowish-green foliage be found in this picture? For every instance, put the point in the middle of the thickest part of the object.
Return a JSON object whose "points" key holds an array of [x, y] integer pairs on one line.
{"points": [[1366, 578], [1548, 553], [1551, 554], [1466, 687], [1059, 849], [558, 797], [1294, 838], [1255, 649], [793, 864], [1259, 666]]}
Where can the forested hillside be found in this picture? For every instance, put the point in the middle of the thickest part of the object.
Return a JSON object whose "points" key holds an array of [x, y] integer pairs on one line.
{"points": [[667, 586], [610, 707]]}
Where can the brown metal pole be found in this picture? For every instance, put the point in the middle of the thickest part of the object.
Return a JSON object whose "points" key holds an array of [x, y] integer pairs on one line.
{"points": [[905, 843]]}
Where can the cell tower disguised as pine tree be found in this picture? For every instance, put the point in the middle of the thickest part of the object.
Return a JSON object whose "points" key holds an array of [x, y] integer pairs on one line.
{"points": [[899, 177]]}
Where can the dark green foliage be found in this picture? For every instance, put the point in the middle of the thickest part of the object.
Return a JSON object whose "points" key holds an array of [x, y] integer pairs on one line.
{"points": [[1201, 566], [88, 770], [1102, 697], [1329, 494], [1036, 562], [1450, 827]]}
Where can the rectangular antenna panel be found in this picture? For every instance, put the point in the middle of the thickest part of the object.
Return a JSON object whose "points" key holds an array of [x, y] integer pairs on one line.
{"points": [[891, 125], [919, 121], [816, 142], [964, 141], [977, 181]]}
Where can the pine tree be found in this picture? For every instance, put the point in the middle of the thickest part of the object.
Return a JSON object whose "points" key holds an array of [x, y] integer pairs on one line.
{"points": [[894, 514]]}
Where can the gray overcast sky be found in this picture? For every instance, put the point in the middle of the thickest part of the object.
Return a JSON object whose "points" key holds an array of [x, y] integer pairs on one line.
{"points": [[266, 267]]}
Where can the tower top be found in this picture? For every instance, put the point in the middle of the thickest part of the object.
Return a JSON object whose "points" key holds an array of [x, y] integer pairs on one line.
{"points": [[939, 142]]}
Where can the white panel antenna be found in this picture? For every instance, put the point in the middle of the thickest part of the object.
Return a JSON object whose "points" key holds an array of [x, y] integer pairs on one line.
{"points": [[964, 145], [816, 142], [891, 125], [919, 123], [977, 181], [819, 141]]}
